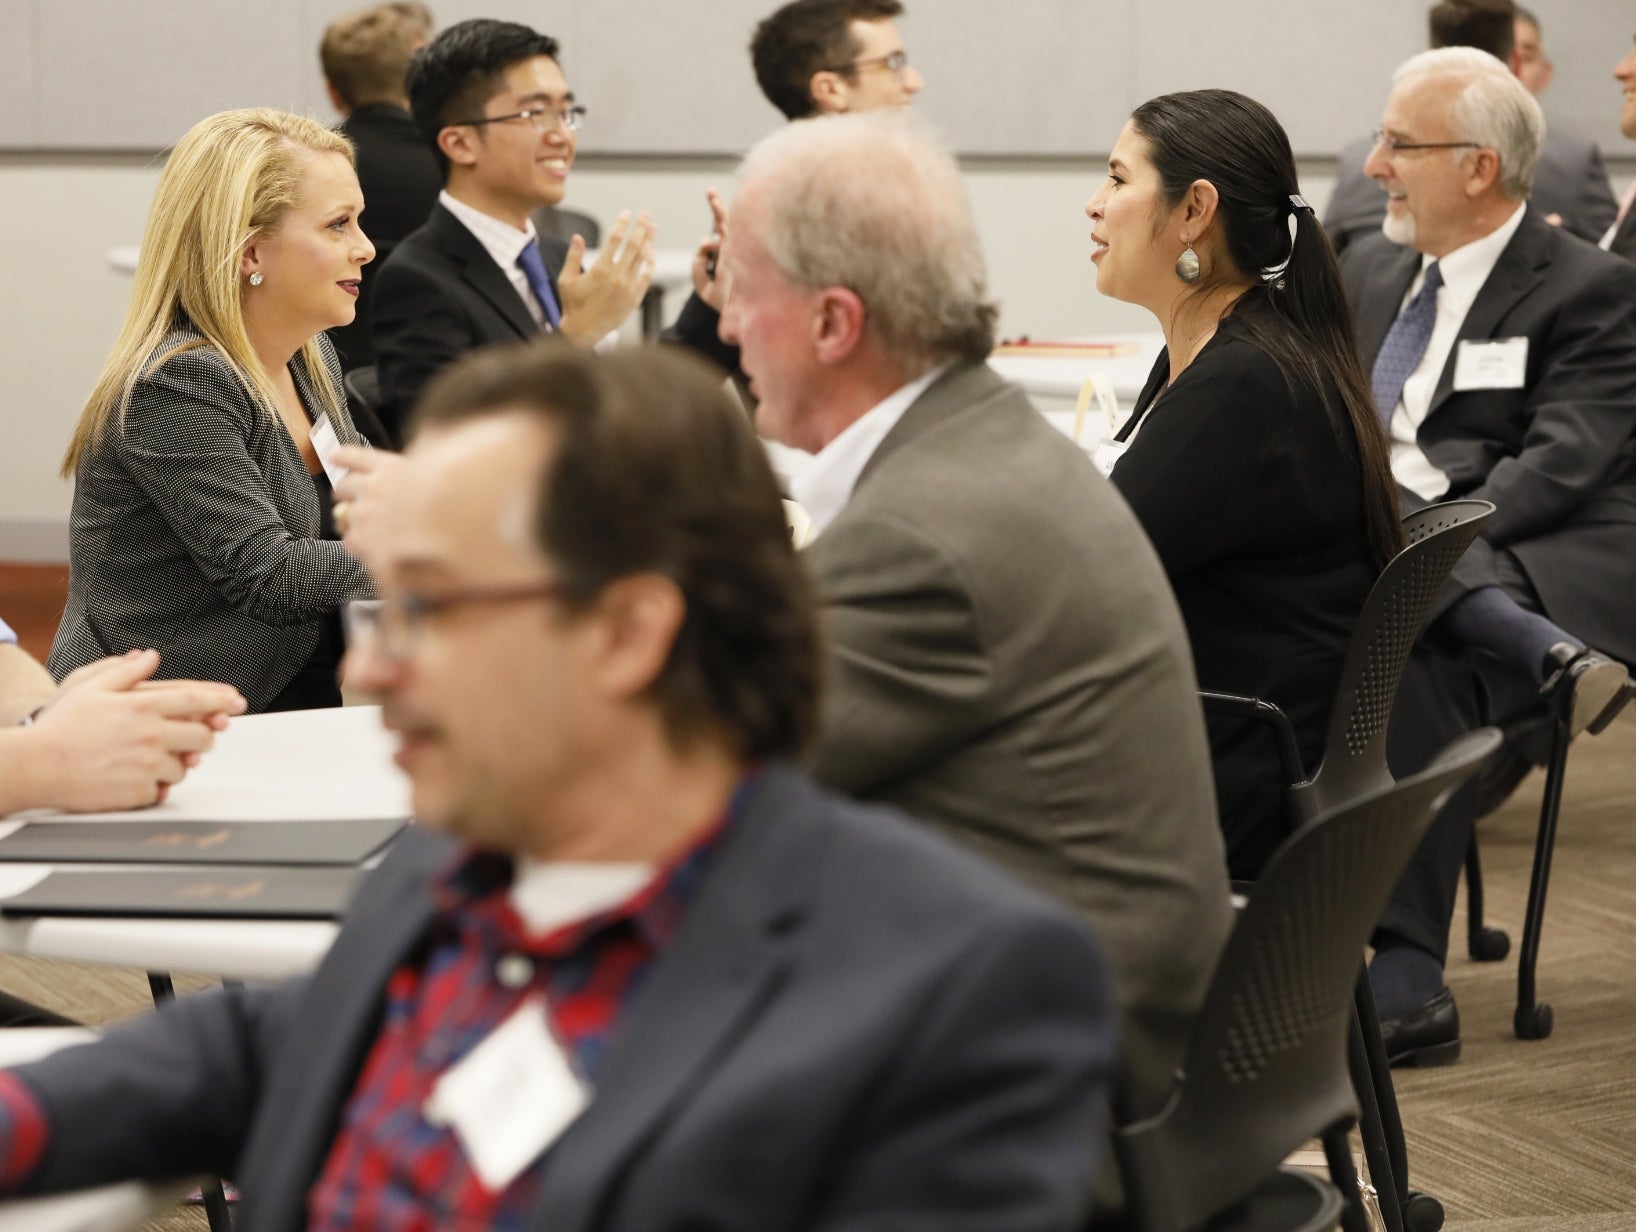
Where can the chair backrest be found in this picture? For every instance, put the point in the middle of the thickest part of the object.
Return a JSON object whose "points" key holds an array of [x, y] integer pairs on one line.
{"points": [[1392, 617], [1265, 1067]]}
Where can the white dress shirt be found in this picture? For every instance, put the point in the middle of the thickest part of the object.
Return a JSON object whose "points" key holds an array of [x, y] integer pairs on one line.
{"points": [[1464, 271], [546, 894], [504, 244], [825, 484]]}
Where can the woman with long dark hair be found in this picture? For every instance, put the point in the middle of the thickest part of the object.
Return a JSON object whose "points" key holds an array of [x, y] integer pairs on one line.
{"points": [[1254, 457]]}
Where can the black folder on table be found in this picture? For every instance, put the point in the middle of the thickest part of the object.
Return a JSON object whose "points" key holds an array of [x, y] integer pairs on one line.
{"points": [[345, 841], [268, 893]]}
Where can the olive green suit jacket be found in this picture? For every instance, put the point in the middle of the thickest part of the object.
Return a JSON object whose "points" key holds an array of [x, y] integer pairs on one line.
{"points": [[1008, 665]]}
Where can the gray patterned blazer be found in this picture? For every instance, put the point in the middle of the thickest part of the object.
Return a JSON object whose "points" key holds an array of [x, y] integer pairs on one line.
{"points": [[195, 528]]}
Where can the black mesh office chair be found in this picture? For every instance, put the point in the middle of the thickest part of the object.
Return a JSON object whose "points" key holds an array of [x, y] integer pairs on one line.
{"points": [[1354, 764], [1262, 1072]]}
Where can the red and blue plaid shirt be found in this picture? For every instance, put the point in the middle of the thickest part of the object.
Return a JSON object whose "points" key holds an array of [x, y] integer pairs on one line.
{"points": [[392, 1171], [389, 1170]]}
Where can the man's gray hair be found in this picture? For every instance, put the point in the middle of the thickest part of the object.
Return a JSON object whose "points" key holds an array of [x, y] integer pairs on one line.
{"points": [[873, 202], [1493, 108]]}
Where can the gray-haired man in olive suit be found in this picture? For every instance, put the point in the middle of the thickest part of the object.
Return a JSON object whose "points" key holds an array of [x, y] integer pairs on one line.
{"points": [[1007, 662]]}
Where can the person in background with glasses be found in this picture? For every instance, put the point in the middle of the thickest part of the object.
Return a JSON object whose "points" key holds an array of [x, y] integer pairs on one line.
{"points": [[1570, 183], [811, 57], [631, 970], [491, 100], [1502, 358]]}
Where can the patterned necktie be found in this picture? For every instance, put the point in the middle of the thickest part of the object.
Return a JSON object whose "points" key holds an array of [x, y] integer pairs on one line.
{"points": [[1405, 345], [539, 282]]}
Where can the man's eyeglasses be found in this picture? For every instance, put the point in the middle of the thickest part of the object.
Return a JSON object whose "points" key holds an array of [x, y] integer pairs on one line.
{"points": [[396, 625], [542, 118], [895, 62], [1394, 146]]}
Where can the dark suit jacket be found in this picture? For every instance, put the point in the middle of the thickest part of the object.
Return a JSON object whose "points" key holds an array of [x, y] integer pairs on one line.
{"points": [[1008, 665], [856, 1027], [1624, 239], [400, 179], [1556, 456], [1570, 180], [438, 296], [1252, 493], [195, 530]]}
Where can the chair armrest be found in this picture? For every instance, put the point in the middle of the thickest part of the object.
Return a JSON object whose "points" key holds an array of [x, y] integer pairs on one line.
{"points": [[1289, 753]]}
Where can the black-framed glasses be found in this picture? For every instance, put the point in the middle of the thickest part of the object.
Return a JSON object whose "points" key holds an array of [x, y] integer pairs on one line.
{"points": [[396, 625], [541, 118], [1382, 137], [895, 62]]}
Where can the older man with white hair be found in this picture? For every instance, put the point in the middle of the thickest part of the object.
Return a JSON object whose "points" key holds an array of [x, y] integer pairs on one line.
{"points": [[1503, 359], [1006, 662]]}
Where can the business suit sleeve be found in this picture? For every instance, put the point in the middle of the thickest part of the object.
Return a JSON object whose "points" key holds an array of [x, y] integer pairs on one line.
{"points": [[996, 1119], [417, 329], [185, 442], [170, 1095], [1580, 410], [1194, 474], [908, 675], [1596, 208]]}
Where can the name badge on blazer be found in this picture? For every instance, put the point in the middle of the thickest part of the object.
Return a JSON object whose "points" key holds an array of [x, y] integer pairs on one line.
{"points": [[510, 1097], [1501, 364], [1106, 455], [324, 444]]}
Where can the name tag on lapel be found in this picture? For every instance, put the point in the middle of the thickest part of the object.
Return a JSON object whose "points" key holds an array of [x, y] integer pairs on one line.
{"points": [[510, 1097], [1107, 455], [1502, 364], [324, 444]]}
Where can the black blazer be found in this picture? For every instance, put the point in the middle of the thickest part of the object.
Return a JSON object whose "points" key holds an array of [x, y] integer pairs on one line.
{"points": [[195, 531], [1556, 456], [400, 179], [1253, 495], [1570, 180], [857, 1026], [438, 296]]}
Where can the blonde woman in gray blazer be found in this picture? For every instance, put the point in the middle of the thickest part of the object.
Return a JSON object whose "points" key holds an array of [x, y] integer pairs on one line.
{"points": [[200, 521]]}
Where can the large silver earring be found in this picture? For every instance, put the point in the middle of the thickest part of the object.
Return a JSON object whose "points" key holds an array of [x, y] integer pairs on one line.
{"points": [[1187, 265], [255, 278]]}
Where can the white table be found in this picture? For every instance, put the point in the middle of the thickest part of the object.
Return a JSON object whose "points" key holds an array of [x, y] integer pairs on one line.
{"points": [[1054, 382], [305, 764], [110, 1208]]}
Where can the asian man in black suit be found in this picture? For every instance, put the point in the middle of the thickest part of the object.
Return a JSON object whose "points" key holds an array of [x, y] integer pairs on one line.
{"points": [[491, 100], [1503, 357]]}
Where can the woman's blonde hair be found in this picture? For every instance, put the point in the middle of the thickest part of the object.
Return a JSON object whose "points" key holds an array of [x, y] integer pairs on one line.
{"points": [[230, 180]]}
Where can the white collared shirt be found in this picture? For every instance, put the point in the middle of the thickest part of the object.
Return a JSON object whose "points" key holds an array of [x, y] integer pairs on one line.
{"points": [[547, 894], [825, 484], [504, 244], [1464, 271]]}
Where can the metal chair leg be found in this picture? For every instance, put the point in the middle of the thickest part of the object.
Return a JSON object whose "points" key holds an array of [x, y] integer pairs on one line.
{"points": [[1533, 1018], [1484, 944], [217, 1212], [1354, 1218], [1412, 1211], [1377, 1149]]}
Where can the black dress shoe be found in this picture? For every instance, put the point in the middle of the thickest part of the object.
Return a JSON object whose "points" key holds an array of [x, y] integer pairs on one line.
{"points": [[1586, 687], [1426, 1035]]}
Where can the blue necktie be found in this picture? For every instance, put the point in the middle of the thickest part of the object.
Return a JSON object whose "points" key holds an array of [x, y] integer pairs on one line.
{"points": [[1405, 345], [539, 282]]}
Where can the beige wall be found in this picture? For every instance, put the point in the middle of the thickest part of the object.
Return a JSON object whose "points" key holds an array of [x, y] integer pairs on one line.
{"points": [[62, 302]]}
